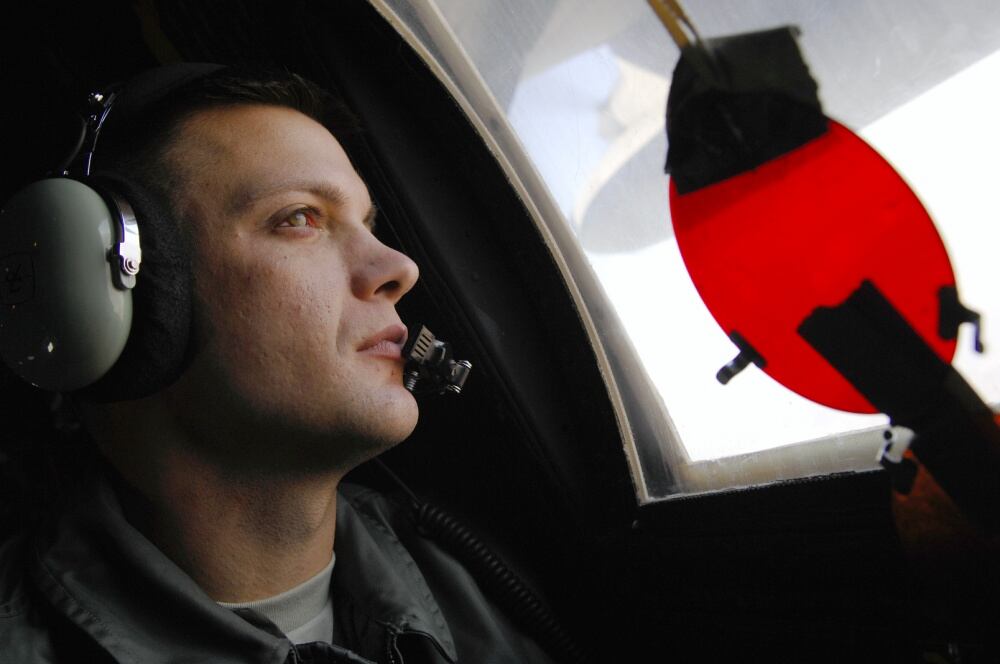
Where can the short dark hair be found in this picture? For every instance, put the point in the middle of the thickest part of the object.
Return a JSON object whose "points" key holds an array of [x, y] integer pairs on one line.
{"points": [[134, 145]]}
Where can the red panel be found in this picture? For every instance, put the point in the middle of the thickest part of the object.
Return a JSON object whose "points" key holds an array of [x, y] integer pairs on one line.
{"points": [[768, 246]]}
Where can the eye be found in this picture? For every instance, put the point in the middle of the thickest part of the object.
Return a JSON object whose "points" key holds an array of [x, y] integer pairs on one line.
{"points": [[301, 218]]}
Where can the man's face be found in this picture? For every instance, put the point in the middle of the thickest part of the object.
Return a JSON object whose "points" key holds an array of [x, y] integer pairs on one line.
{"points": [[299, 339]]}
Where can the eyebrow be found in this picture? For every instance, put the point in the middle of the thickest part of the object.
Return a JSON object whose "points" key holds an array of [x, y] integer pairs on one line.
{"points": [[246, 197]]}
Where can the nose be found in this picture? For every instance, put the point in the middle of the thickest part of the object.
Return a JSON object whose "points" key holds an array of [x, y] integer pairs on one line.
{"points": [[383, 272]]}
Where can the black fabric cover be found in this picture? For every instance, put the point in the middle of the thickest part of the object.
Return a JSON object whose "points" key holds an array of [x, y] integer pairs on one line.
{"points": [[753, 100], [158, 347]]}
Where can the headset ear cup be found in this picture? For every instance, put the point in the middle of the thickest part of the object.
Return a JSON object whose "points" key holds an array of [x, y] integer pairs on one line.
{"points": [[158, 348], [63, 321]]}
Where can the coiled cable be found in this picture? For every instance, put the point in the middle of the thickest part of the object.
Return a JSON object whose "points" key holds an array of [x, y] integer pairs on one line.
{"points": [[506, 586]]}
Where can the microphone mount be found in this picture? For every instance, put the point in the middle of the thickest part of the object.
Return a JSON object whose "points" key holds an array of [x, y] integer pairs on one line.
{"points": [[429, 367]]}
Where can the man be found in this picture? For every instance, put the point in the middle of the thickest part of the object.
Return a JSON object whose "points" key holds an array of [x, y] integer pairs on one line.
{"points": [[220, 535]]}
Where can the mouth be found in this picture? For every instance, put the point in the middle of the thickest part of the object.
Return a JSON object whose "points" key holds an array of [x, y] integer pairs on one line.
{"points": [[387, 343]]}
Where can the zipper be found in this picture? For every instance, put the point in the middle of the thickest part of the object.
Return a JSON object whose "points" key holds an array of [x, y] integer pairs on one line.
{"points": [[391, 653]]}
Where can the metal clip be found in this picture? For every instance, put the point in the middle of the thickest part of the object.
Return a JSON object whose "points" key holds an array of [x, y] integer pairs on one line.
{"points": [[126, 254], [902, 470]]}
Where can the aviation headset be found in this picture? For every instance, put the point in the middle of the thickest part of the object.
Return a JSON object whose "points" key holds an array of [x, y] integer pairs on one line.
{"points": [[76, 311]]}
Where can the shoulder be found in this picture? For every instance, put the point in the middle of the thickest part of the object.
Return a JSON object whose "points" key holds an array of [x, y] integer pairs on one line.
{"points": [[13, 573], [31, 630], [22, 639]]}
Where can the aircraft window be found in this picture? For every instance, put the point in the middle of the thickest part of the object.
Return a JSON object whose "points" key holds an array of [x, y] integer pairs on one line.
{"points": [[583, 87]]}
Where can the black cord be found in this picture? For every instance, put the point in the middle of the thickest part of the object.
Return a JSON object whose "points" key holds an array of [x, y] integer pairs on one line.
{"points": [[511, 591], [64, 165]]}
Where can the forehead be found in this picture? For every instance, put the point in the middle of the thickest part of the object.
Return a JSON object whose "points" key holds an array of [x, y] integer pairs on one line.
{"points": [[247, 152]]}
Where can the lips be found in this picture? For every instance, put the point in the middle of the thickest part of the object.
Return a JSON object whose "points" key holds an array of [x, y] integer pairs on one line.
{"points": [[388, 343]]}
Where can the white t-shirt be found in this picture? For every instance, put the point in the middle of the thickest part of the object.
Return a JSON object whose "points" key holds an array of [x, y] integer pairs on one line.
{"points": [[304, 613]]}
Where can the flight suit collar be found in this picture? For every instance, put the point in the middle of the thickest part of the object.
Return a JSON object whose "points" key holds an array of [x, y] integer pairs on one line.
{"points": [[377, 585], [105, 576]]}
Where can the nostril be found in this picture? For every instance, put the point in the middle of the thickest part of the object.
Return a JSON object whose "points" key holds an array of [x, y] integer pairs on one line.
{"points": [[388, 287]]}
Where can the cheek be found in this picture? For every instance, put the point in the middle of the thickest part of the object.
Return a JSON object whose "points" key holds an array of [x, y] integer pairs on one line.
{"points": [[271, 318]]}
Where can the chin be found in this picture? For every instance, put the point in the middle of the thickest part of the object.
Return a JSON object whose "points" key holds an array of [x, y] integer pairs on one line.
{"points": [[334, 446], [380, 436], [389, 421], [404, 419]]}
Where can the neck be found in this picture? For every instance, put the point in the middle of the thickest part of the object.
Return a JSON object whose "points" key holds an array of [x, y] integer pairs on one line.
{"points": [[240, 536]]}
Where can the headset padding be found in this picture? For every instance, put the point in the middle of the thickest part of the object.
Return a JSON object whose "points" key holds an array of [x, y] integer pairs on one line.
{"points": [[159, 345]]}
